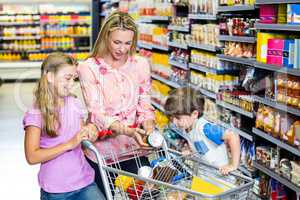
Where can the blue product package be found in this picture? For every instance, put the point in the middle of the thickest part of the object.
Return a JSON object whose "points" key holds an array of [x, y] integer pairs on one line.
{"points": [[294, 13], [297, 54], [288, 53]]}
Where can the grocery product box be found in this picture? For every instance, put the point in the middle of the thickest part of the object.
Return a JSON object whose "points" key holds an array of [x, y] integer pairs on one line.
{"points": [[281, 52], [293, 14], [268, 14]]}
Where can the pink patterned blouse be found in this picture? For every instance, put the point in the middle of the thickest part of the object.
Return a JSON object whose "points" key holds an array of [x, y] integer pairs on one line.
{"points": [[121, 94]]}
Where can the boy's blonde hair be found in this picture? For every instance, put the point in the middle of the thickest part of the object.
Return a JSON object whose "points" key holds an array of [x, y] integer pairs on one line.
{"points": [[183, 101], [45, 96], [117, 20]]}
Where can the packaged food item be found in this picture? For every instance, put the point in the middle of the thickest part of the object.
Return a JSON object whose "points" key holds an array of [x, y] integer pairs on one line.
{"points": [[285, 168], [269, 119]]}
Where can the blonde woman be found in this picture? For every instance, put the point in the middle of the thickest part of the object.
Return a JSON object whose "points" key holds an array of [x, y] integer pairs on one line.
{"points": [[116, 88]]}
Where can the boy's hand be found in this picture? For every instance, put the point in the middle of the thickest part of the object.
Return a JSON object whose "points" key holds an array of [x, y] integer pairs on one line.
{"points": [[226, 169], [138, 135]]}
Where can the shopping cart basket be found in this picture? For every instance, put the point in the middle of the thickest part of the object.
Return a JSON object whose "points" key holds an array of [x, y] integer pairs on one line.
{"points": [[172, 177]]}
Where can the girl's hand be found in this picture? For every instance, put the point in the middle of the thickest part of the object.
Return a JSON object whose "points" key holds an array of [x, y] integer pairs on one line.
{"points": [[226, 169], [138, 135], [91, 131], [77, 139]]}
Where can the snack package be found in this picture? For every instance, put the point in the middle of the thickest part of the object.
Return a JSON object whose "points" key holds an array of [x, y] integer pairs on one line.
{"points": [[259, 123], [269, 119]]}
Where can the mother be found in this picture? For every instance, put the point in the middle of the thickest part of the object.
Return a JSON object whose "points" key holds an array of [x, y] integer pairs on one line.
{"points": [[116, 88]]}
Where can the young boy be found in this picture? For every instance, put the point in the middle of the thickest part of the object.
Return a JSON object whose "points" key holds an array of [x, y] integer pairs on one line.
{"points": [[185, 106]]}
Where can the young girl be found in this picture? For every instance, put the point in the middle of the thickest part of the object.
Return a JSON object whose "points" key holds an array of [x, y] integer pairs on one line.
{"points": [[53, 133]]}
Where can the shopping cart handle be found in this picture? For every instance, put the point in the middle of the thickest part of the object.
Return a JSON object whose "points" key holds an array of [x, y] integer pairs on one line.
{"points": [[89, 145]]}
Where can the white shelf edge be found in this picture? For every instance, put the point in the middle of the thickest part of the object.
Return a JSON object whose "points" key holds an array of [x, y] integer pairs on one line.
{"points": [[177, 45], [178, 64], [231, 38], [168, 82]]}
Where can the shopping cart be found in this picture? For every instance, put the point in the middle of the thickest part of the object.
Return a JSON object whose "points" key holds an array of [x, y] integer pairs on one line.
{"points": [[172, 177]]}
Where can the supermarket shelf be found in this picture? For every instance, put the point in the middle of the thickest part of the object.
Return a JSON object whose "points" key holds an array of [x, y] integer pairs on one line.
{"points": [[275, 68], [276, 141], [21, 37], [206, 47], [205, 69], [168, 82], [145, 45], [20, 64], [277, 27], [244, 61], [237, 38], [276, 176], [153, 18], [159, 47], [70, 35], [259, 2], [178, 28], [245, 171], [204, 91], [236, 130], [177, 45], [202, 17], [178, 64], [235, 8], [19, 23], [158, 106], [66, 22], [202, 68], [278, 106], [235, 108]]}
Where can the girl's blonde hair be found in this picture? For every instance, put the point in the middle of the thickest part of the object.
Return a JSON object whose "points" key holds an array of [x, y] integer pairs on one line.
{"points": [[45, 96], [117, 20]]}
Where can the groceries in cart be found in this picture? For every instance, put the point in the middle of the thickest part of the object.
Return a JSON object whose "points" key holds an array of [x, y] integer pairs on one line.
{"points": [[172, 176]]}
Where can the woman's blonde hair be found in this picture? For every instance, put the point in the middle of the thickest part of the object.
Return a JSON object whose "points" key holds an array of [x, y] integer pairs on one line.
{"points": [[117, 20], [45, 96]]}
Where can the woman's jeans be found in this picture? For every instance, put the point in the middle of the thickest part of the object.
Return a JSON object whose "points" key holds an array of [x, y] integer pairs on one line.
{"points": [[90, 192]]}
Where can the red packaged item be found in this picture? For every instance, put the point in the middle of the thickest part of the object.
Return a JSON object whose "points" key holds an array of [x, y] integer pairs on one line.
{"points": [[134, 192]]}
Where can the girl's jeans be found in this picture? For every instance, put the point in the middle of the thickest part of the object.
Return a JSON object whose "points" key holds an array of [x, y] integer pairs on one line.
{"points": [[90, 192]]}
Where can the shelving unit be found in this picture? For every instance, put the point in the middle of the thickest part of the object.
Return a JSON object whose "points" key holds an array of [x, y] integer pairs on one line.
{"points": [[204, 91], [177, 45], [235, 108], [178, 64], [31, 42], [276, 141], [237, 38], [202, 17], [206, 47], [205, 69], [277, 27], [276, 176], [178, 28], [167, 82], [243, 61], [275, 68], [236, 8], [261, 2], [278, 106]]}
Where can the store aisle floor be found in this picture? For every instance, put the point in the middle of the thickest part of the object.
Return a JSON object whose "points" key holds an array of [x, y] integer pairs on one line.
{"points": [[18, 180]]}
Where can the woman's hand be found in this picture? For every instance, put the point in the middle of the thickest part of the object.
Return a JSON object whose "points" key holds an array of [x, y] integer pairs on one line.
{"points": [[227, 168], [77, 139], [138, 134]]}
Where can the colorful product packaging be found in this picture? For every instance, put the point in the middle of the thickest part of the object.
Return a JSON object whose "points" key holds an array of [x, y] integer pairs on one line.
{"points": [[268, 14], [262, 46], [293, 14], [282, 14]]}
